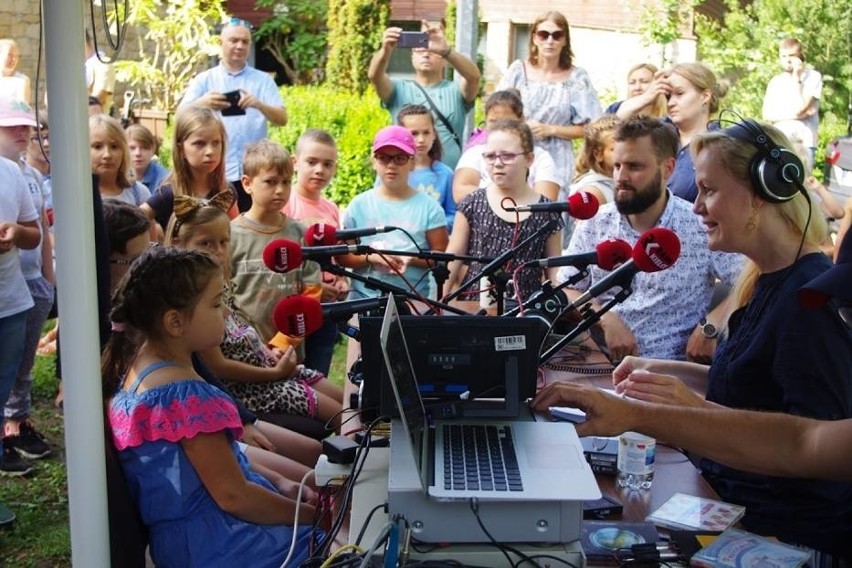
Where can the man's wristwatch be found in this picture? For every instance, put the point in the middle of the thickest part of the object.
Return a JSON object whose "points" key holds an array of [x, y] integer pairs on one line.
{"points": [[709, 330]]}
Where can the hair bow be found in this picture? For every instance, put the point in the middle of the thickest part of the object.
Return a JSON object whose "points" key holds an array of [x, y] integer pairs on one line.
{"points": [[186, 206]]}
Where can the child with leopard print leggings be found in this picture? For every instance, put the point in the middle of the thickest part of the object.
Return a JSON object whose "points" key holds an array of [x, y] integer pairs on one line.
{"points": [[264, 379]]}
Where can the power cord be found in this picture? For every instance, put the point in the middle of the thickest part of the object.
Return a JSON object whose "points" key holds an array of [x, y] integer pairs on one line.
{"points": [[296, 518]]}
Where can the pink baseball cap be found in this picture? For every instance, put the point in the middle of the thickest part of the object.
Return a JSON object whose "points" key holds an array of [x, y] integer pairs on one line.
{"points": [[395, 136], [16, 113]]}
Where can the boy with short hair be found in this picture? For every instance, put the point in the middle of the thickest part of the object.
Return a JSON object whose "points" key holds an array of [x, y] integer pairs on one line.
{"points": [[315, 163], [267, 174]]}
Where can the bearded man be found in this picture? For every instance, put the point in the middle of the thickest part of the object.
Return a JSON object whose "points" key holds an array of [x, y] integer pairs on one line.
{"points": [[668, 315]]}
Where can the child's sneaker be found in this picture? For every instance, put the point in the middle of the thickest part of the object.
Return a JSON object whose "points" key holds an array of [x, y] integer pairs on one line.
{"points": [[29, 442], [13, 464]]}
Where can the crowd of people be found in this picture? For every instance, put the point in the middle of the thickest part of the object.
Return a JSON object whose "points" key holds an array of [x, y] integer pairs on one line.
{"points": [[188, 335]]}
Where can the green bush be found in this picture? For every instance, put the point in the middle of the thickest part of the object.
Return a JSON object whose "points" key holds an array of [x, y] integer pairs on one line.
{"points": [[352, 119]]}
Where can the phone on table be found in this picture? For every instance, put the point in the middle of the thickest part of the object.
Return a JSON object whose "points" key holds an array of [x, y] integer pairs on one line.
{"points": [[233, 97], [411, 40]]}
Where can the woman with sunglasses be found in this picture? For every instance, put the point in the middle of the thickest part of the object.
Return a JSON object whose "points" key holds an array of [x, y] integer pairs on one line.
{"points": [[558, 96]]}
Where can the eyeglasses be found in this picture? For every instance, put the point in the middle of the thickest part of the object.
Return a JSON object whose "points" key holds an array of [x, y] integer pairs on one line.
{"points": [[44, 138], [130, 260], [398, 159], [240, 22], [544, 35], [504, 157]]}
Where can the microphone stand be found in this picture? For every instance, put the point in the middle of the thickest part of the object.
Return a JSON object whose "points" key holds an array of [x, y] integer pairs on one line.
{"points": [[439, 271], [495, 264], [590, 318], [375, 284], [548, 291]]}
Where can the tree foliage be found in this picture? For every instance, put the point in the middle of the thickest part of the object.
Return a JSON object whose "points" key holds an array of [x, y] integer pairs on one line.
{"points": [[355, 30], [352, 119], [296, 36], [662, 22], [179, 38], [744, 50]]}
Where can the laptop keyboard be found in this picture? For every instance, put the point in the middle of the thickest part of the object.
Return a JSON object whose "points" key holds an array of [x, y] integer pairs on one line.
{"points": [[480, 458]]}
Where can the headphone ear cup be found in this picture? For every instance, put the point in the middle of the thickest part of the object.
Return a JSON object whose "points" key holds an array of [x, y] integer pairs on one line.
{"points": [[777, 175]]}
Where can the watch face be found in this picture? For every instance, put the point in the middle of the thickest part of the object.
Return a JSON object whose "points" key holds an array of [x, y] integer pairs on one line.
{"points": [[709, 330]]}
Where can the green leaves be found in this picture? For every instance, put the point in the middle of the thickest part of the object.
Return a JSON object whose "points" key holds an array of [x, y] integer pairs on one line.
{"points": [[355, 32], [352, 120], [178, 39], [744, 51], [296, 36]]}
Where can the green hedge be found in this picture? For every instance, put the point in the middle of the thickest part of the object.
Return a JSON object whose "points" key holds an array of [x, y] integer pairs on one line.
{"points": [[352, 119]]}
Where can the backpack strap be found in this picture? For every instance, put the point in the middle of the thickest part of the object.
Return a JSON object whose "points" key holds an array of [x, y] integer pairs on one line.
{"points": [[440, 115]]}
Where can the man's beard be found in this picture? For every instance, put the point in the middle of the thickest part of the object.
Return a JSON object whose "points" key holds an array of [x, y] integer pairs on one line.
{"points": [[641, 198]]}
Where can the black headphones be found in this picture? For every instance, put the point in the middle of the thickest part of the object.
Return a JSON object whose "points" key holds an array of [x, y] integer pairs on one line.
{"points": [[777, 174]]}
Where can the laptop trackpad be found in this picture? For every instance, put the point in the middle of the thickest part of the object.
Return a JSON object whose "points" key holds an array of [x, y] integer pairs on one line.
{"points": [[552, 456]]}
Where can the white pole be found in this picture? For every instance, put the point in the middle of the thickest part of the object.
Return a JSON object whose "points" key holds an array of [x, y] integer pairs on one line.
{"points": [[78, 303], [467, 40]]}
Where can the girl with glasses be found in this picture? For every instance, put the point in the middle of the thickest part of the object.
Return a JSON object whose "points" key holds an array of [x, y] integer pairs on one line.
{"points": [[558, 96], [394, 202], [484, 228]]}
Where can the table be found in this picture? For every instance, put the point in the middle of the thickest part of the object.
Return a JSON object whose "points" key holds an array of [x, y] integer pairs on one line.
{"points": [[673, 471]]}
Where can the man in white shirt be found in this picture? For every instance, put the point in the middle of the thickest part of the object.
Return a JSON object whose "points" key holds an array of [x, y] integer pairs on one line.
{"points": [[791, 101], [666, 316]]}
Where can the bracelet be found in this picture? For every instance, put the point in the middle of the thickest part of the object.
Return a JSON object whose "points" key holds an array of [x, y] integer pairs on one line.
{"points": [[367, 258]]}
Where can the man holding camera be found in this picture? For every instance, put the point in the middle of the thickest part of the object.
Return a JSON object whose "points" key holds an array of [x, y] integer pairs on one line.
{"points": [[449, 101], [791, 101], [247, 98]]}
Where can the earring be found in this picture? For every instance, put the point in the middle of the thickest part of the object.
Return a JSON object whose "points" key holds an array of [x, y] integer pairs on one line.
{"points": [[751, 224]]}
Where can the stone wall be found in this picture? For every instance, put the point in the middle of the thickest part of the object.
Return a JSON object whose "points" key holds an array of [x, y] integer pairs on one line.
{"points": [[19, 20]]}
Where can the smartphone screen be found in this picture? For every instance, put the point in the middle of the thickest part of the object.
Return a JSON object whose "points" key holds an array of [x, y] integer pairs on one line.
{"points": [[233, 98], [410, 40]]}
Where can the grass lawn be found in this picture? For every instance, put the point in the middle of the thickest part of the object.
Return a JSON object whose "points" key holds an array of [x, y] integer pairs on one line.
{"points": [[40, 537]]}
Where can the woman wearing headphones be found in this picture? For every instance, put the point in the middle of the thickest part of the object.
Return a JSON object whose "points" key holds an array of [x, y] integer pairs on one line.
{"points": [[775, 355]]}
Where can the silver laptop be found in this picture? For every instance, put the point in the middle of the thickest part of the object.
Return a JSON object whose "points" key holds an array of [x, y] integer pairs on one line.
{"points": [[488, 459]]}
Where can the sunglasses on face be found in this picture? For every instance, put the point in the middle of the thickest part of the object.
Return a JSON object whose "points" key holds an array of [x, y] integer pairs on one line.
{"points": [[544, 35], [240, 22], [398, 159], [504, 157]]}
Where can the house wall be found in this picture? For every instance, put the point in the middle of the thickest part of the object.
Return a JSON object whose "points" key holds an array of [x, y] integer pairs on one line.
{"points": [[19, 21]]}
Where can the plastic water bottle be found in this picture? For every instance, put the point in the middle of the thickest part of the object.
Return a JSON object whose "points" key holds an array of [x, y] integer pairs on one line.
{"points": [[635, 461]]}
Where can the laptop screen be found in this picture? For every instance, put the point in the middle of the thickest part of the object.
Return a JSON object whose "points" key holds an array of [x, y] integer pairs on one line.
{"points": [[405, 388]]}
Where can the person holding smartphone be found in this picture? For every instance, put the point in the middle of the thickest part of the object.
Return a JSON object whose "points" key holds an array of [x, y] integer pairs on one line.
{"points": [[448, 101], [247, 99], [791, 102]]}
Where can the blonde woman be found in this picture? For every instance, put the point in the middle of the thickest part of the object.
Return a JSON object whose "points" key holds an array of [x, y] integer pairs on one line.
{"points": [[693, 94], [646, 94], [777, 356]]}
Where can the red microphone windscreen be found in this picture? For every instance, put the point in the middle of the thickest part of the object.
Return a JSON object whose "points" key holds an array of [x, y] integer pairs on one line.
{"points": [[321, 235], [297, 316], [282, 255], [583, 205], [656, 249], [612, 253]]}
